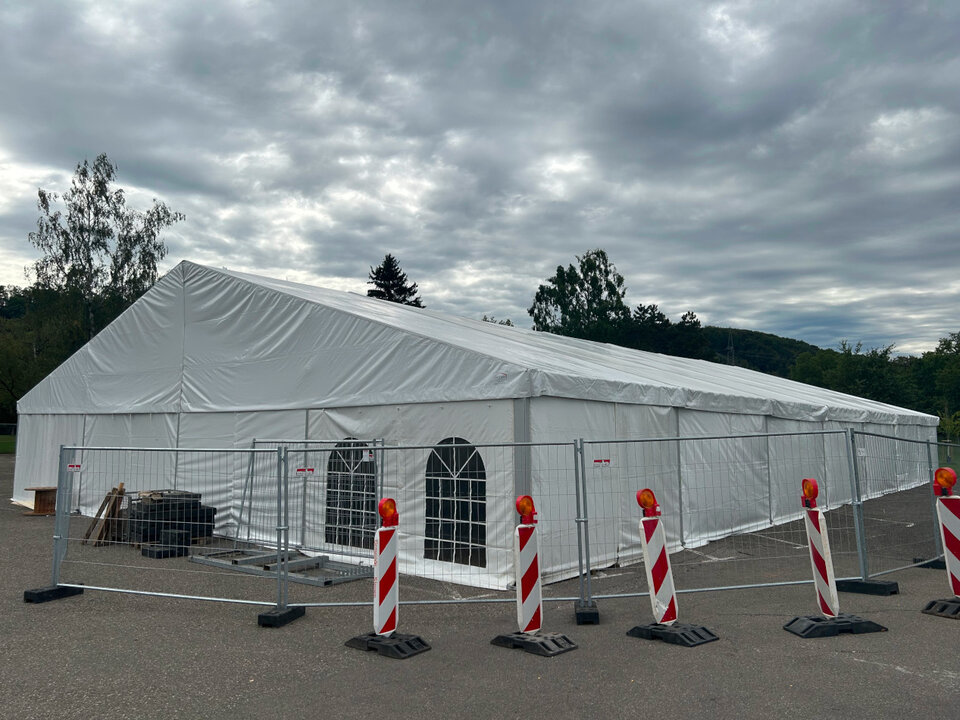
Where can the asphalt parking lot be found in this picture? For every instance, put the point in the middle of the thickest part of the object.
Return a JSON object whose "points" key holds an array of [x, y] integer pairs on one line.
{"points": [[122, 656]]}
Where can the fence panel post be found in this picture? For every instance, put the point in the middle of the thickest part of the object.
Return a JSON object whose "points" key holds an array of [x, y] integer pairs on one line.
{"points": [[931, 469], [586, 611], [769, 486], [379, 452], [856, 502], [284, 568], [61, 525], [680, 503], [579, 522], [586, 522], [282, 614], [61, 533], [280, 509], [303, 491]]}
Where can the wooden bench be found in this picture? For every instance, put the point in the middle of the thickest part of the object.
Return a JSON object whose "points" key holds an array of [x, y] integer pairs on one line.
{"points": [[44, 501]]}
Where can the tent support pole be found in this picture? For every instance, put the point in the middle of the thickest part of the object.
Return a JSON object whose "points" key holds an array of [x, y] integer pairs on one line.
{"points": [[931, 469]]}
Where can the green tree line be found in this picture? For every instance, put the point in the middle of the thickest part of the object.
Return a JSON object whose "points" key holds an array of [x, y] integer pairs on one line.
{"points": [[98, 257]]}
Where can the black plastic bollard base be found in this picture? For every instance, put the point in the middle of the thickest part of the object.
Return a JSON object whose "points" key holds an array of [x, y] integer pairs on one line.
{"points": [[544, 644], [949, 608], [677, 634], [162, 552], [46, 594], [818, 626], [869, 587], [397, 646], [279, 617], [934, 564], [586, 612]]}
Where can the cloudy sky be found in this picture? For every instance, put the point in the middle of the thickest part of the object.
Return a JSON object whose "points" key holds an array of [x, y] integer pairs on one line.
{"points": [[786, 167]]}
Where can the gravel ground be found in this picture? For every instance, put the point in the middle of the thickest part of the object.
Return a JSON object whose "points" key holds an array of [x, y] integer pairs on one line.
{"points": [[122, 656]]}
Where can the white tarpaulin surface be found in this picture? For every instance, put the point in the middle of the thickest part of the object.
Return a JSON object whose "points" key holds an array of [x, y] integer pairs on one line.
{"points": [[206, 340]]}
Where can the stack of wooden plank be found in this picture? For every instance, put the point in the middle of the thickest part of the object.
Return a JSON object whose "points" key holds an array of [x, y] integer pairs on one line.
{"points": [[107, 524]]}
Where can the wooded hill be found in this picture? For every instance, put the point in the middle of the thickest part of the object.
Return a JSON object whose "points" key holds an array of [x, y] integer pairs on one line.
{"points": [[755, 350]]}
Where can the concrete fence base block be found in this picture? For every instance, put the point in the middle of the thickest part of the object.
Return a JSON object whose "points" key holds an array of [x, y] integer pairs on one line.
{"points": [[544, 644], [586, 612], [869, 587], [53, 592], [278, 617]]}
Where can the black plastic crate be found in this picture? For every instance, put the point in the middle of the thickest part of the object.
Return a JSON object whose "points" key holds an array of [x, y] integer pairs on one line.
{"points": [[178, 537], [180, 511], [175, 509]]}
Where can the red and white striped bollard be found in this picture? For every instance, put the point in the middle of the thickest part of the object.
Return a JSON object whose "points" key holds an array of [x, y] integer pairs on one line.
{"points": [[821, 559], [386, 584], [831, 621], [656, 560], [526, 559], [663, 594], [948, 518], [948, 515], [386, 594], [527, 567]]}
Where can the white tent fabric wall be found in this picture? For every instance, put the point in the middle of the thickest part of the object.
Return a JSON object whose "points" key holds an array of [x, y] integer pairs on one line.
{"points": [[238, 430], [719, 502], [555, 420], [39, 437], [211, 358], [157, 430], [660, 471]]}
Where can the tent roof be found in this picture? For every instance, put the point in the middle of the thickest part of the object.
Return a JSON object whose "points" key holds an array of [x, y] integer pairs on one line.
{"points": [[208, 340]]}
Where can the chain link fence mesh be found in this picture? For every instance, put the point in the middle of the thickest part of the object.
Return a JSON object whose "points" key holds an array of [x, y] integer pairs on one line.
{"points": [[130, 518]]}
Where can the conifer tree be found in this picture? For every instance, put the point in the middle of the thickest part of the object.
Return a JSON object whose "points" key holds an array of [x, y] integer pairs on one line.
{"points": [[390, 283]]}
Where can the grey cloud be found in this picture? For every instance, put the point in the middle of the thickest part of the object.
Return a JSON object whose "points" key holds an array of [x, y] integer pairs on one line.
{"points": [[759, 163]]}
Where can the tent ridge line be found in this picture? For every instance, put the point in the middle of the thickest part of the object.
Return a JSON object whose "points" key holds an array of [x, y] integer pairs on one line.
{"points": [[808, 408], [243, 278]]}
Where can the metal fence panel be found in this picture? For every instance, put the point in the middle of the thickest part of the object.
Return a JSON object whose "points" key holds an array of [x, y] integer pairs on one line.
{"points": [[457, 509], [334, 490], [730, 505], [130, 519], [894, 476], [731, 511], [457, 506], [555, 491]]}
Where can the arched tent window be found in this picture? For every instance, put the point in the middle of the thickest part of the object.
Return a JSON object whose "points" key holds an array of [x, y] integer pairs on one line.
{"points": [[456, 511], [351, 517]]}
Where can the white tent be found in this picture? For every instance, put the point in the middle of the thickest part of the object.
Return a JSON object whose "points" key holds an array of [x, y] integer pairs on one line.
{"points": [[214, 358]]}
